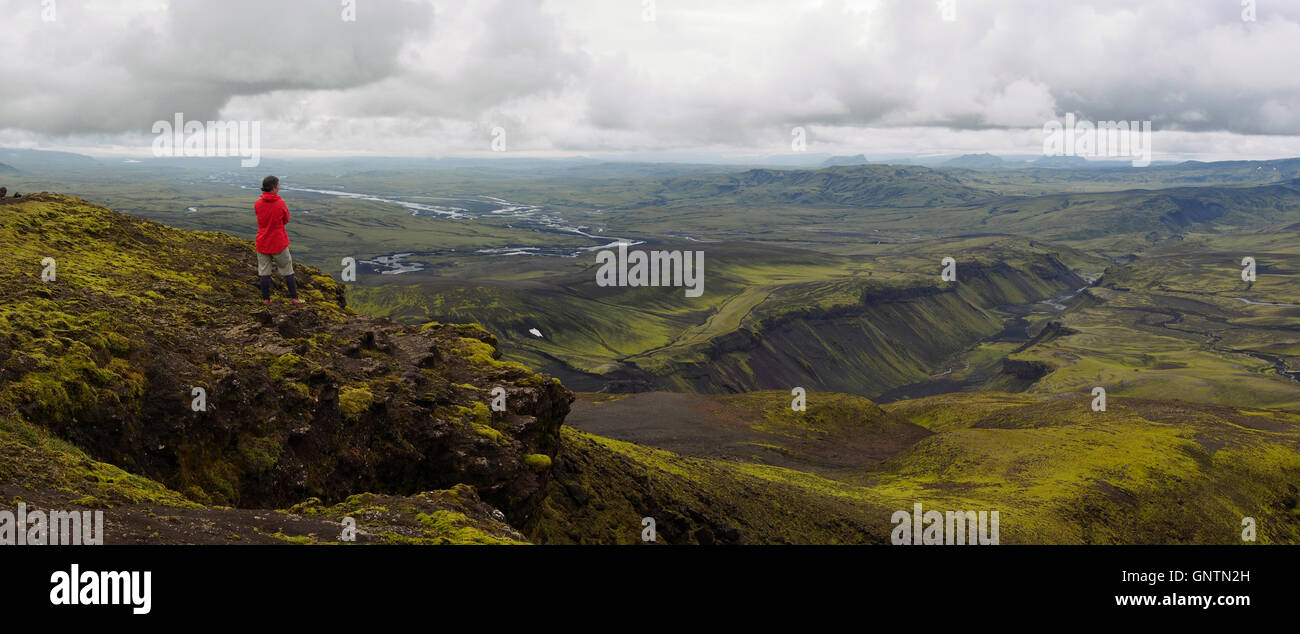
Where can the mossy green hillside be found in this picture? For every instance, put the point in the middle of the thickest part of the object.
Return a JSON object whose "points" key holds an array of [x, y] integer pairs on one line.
{"points": [[38, 467], [46, 472], [771, 316], [1180, 320], [1057, 472], [150, 349]]}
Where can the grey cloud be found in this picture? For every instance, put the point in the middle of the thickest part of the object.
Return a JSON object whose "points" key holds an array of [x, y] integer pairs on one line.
{"points": [[121, 72], [591, 75], [1010, 63]]}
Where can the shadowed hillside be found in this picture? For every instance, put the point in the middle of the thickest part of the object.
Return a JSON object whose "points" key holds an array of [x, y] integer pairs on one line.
{"points": [[301, 402]]}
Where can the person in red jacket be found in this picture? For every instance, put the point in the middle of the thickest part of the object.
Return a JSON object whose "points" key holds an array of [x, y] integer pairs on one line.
{"points": [[272, 241]]}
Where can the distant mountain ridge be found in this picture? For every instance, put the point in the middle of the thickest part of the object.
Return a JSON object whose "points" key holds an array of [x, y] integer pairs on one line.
{"points": [[856, 185], [836, 161], [976, 161], [35, 160]]}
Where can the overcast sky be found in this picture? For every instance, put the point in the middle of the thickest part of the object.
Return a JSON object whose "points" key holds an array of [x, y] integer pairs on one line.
{"points": [[597, 77]]}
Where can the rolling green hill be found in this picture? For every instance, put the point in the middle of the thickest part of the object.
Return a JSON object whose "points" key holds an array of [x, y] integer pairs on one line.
{"points": [[770, 317], [1180, 320], [326, 414], [852, 186], [1141, 472]]}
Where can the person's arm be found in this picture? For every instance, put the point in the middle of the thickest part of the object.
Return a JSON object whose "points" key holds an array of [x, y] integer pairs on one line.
{"points": [[286, 211]]}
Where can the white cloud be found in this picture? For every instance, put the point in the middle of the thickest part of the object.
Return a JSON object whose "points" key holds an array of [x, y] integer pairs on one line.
{"points": [[590, 76]]}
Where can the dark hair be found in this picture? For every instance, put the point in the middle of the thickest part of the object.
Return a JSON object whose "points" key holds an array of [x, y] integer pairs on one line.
{"points": [[270, 183]]}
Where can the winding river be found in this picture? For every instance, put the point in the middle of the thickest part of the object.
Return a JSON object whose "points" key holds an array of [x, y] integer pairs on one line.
{"points": [[477, 208], [1255, 303]]}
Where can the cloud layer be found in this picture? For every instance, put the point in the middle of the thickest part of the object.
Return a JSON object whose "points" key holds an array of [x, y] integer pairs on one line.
{"points": [[414, 77]]}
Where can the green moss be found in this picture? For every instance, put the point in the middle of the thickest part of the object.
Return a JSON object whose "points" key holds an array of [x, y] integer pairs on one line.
{"points": [[357, 504], [300, 540], [479, 418], [220, 479], [37, 459], [450, 516], [354, 401], [475, 351], [260, 454], [442, 521], [453, 528], [284, 365], [490, 433], [307, 507], [198, 495], [538, 461], [472, 330], [481, 413]]}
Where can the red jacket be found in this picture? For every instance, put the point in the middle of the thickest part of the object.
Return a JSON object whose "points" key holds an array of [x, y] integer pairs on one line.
{"points": [[272, 214]]}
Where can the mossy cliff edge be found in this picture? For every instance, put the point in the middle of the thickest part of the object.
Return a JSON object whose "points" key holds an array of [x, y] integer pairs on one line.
{"points": [[327, 415], [100, 364]]}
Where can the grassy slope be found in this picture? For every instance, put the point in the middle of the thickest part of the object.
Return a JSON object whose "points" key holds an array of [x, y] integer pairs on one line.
{"points": [[866, 335], [1170, 323], [1141, 472], [1145, 471], [804, 308], [90, 358]]}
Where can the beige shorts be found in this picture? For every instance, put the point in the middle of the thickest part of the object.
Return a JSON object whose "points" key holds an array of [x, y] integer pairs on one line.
{"points": [[283, 261]]}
